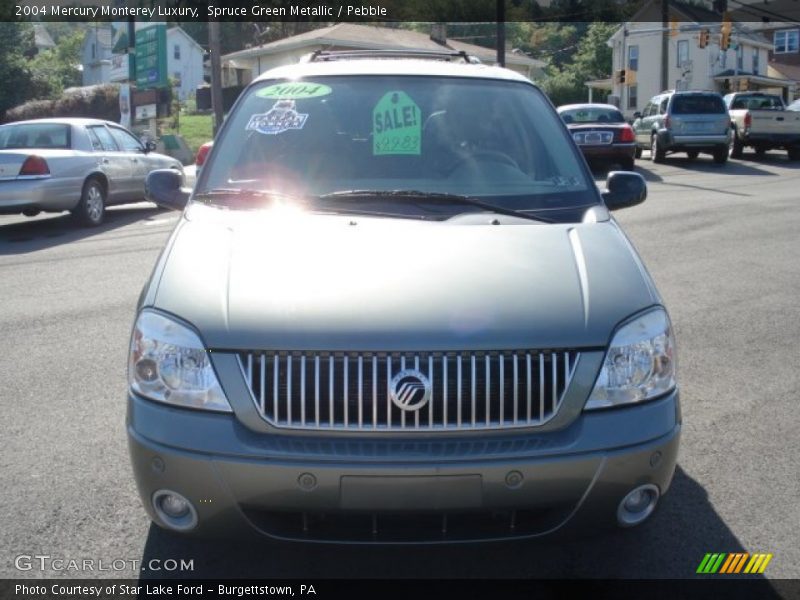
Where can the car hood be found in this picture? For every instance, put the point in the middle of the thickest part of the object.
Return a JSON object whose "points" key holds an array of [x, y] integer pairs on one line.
{"points": [[283, 281]]}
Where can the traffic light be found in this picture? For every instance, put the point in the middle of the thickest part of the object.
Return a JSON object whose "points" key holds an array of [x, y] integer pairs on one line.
{"points": [[725, 39], [705, 36], [630, 77], [620, 76]]}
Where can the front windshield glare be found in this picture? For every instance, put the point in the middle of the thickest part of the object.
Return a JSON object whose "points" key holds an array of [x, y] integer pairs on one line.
{"points": [[473, 137]]}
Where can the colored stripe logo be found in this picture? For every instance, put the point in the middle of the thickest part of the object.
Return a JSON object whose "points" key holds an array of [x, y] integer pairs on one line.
{"points": [[734, 563]]}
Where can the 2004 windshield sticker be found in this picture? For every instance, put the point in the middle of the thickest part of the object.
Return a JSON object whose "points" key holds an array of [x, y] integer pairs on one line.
{"points": [[396, 125], [281, 117]]}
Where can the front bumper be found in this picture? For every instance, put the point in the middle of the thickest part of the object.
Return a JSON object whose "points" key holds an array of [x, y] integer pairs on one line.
{"points": [[415, 489]]}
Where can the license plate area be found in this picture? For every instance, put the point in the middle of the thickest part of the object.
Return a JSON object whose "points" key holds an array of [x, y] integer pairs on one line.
{"points": [[399, 493], [592, 138]]}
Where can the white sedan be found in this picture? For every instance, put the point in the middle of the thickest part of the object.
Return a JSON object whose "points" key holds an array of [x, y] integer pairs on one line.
{"points": [[80, 165]]}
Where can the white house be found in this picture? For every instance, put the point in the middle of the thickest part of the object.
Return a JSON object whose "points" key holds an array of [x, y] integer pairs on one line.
{"points": [[96, 55], [184, 61], [637, 47], [241, 67]]}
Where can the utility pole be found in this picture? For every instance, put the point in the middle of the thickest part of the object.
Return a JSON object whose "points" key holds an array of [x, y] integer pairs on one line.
{"points": [[501, 33], [216, 74], [664, 44]]}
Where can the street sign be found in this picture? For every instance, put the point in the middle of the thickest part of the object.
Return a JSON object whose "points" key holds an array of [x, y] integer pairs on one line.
{"points": [[151, 57]]}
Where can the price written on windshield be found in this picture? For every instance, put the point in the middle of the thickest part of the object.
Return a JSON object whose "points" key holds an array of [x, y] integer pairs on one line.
{"points": [[396, 125]]}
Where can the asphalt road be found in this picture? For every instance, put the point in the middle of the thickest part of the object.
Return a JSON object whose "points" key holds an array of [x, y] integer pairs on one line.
{"points": [[722, 245]]}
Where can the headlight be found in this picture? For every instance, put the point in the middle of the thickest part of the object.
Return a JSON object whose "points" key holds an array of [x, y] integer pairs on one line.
{"points": [[639, 364], [168, 363]]}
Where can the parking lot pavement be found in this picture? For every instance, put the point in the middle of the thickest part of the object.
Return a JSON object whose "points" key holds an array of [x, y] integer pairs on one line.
{"points": [[721, 243]]}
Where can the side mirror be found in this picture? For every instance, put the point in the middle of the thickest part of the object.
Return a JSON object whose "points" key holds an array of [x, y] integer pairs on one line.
{"points": [[624, 189], [165, 188], [637, 115], [149, 146]]}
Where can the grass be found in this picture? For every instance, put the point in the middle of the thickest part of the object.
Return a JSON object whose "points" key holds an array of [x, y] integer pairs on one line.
{"points": [[195, 129]]}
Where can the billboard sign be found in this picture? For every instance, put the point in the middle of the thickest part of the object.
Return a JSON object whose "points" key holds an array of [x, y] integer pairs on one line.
{"points": [[120, 67], [151, 57]]}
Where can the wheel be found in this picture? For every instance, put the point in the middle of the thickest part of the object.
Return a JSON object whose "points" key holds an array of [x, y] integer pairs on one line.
{"points": [[637, 153], [721, 155], [793, 153], [627, 163], [92, 206], [692, 154], [736, 146], [656, 153]]}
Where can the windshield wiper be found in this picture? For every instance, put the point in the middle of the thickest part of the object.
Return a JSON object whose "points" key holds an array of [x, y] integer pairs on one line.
{"points": [[438, 197]]}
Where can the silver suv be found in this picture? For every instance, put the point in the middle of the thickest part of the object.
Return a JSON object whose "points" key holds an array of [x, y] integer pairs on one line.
{"points": [[396, 308], [691, 122]]}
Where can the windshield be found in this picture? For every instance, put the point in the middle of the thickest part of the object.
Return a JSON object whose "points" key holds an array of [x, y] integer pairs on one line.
{"points": [[488, 139], [34, 135], [592, 114]]}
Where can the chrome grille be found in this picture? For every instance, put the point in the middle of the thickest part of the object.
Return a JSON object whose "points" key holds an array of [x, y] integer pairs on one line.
{"points": [[351, 391]]}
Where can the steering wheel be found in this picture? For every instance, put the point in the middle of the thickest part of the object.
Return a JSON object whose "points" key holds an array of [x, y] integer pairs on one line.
{"points": [[485, 156]]}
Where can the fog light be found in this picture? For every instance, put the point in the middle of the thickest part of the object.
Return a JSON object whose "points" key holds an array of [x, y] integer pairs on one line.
{"points": [[637, 505], [174, 511]]}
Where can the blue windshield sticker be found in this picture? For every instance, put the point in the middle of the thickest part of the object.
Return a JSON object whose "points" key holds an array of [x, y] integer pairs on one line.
{"points": [[281, 117]]}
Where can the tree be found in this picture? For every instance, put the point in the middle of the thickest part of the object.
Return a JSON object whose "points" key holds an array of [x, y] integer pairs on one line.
{"points": [[57, 68], [18, 84], [565, 84]]}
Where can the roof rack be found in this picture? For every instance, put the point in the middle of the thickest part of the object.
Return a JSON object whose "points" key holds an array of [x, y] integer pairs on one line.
{"points": [[327, 55]]}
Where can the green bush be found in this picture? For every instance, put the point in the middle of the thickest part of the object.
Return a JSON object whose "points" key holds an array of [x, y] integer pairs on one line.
{"points": [[94, 102]]}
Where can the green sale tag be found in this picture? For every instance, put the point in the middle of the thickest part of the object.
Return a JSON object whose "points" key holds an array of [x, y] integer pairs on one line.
{"points": [[294, 90], [396, 125]]}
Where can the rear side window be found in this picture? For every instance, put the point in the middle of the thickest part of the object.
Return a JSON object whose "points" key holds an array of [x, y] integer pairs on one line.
{"points": [[34, 135], [697, 105]]}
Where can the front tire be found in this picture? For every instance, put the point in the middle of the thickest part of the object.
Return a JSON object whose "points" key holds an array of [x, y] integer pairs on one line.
{"points": [[92, 206], [656, 153], [793, 153]]}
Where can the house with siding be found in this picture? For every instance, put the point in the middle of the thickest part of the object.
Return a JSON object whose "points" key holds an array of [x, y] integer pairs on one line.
{"points": [[637, 47], [245, 65]]}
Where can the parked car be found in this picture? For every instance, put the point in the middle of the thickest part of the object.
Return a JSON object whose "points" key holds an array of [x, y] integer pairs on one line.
{"points": [[396, 308], [691, 122], [80, 165], [762, 122], [794, 105], [601, 132]]}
